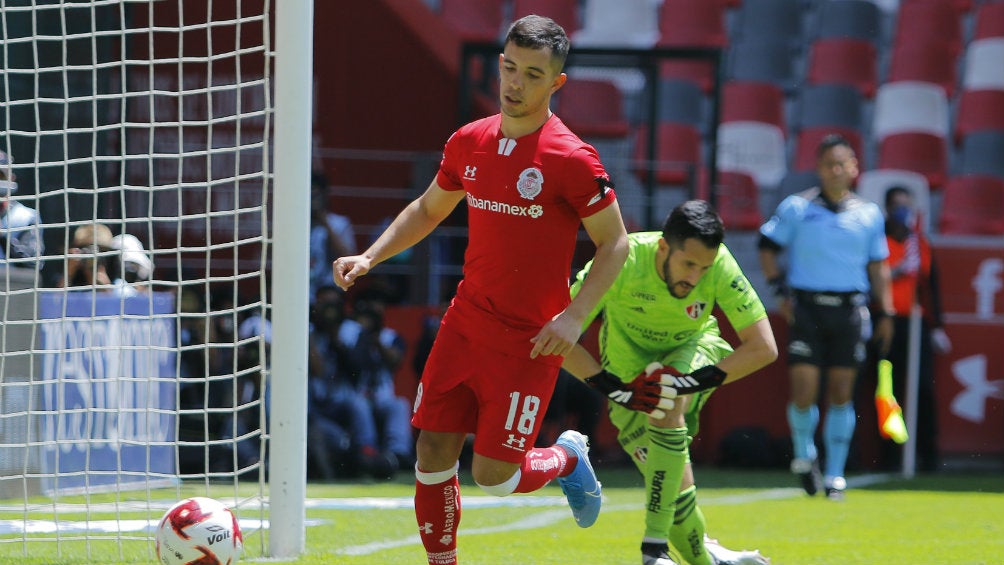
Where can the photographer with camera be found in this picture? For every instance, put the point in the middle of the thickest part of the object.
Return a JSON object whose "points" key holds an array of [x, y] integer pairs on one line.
{"points": [[20, 241]]}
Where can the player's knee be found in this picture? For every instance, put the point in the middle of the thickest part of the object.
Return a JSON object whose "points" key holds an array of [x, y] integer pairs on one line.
{"points": [[505, 488]]}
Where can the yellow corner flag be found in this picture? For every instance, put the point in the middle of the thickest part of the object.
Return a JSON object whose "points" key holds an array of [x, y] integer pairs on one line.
{"points": [[890, 415]]}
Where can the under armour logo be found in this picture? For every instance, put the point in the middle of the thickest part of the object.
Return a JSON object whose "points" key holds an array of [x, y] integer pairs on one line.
{"points": [[971, 403], [469, 172], [516, 441], [425, 528]]}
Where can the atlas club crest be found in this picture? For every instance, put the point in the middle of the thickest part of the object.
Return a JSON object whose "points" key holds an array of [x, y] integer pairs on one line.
{"points": [[530, 183]]}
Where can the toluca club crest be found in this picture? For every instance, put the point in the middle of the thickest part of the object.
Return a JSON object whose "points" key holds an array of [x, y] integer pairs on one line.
{"points": [[530, 183]]}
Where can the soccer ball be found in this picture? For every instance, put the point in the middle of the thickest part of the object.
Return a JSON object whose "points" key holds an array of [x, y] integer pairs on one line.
{"points": [[199, 531]]}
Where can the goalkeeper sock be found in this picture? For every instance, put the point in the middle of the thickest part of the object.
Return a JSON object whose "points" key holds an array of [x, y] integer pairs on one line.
{"points": [[687, 533], [837, 432], [664, 464], [437, 508], [803, 425], [541, 465]]}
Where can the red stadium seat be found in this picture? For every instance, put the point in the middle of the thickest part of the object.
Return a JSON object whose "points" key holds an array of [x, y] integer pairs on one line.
{"points": [[738, 201], [973, 205], [924, 153], [692, 23], [564, 12], [928, 61], [701, 73], [989, 20], [979, 110], [844, 61], [474, 21], [592, 108], [753, 102], [929, 21], [677, 153]]}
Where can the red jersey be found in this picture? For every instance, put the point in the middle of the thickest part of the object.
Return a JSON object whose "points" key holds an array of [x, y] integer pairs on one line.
{"points": [[525, 200]]}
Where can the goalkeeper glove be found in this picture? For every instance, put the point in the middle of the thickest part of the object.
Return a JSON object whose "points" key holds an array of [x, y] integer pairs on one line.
{"points": [[704, 378], [646, 393]]}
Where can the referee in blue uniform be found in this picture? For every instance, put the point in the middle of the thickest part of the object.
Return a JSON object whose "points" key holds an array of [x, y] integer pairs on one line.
{"points": [[836, 258]]}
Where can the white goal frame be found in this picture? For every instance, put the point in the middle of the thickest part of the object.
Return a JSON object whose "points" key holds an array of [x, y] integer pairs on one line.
{"points": [[270, 493]]}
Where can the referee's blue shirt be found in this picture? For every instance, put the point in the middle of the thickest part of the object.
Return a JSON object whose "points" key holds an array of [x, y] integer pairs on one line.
{"points": [[828, 249]]}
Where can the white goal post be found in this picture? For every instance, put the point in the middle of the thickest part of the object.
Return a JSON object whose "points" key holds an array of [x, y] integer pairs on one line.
{"points": [[152, 345]]}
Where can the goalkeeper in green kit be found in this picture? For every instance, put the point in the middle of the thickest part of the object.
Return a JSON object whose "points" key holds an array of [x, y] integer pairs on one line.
{"points": [[658, 340]]}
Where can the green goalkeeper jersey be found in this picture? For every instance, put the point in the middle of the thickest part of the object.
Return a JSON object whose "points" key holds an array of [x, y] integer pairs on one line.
{"points": [[642, 321]]}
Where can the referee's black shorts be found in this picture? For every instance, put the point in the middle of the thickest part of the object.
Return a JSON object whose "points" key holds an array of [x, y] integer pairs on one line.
{"points": [[830, 329]]}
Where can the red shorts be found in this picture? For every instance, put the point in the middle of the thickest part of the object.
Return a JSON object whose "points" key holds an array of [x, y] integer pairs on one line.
{"points": [[467, 387]]}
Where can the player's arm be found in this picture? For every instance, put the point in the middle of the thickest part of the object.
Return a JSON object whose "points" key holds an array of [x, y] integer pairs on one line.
{"points": [[606, 230], [416, 221], [756, 350]]}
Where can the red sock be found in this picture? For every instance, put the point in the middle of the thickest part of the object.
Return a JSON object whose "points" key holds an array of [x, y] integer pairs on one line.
{"points": [[437, 508], [543, 464]]}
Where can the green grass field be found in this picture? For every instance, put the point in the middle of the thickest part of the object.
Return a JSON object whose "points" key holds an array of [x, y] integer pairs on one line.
{"points": [[933, 519]]}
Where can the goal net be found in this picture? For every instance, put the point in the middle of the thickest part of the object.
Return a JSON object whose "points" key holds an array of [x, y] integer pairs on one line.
{"points": [[134, 259]]}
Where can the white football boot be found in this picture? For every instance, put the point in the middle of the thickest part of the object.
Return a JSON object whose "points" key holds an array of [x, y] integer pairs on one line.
{"points": [[723, 556]]}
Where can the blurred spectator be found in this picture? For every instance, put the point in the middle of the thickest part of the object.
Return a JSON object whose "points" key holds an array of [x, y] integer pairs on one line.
{"points": [[331, 235], [88, 258], [342, 429], [132, 269], [914, 280], [370, 354], [20, 242]]}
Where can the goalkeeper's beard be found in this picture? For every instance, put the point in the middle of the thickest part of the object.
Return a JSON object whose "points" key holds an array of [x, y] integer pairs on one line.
{"points": [[676, 289]]}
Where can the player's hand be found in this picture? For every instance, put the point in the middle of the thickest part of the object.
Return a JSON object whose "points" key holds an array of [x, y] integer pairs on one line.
{"points": [[557, 337], [646, 393], [347, 269], [704, 378]]}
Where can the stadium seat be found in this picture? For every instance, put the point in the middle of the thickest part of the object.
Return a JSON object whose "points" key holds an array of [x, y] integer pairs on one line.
{"points": [[754, 148], [874, 183], [984, 67], [692, 23], [982, 153], [836, 105], [762, 19], [618, 23], [677, 153], [856, 19], [807, 140], [979, 110], [973, 205], [564, 12], [929, 21], [989, 20], [592, 108], [920, 152], [682, 102], [474, 21], [925, 61], [910, 106], [763, 60], [738, 201], [844, 61], [701, 73], [753, 102]]}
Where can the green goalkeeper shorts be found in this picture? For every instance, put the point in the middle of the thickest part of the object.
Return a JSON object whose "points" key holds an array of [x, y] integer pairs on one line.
{"points": [[632, 424]]}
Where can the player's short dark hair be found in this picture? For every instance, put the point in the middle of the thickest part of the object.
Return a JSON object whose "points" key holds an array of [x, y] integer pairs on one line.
{"points": [[539, 32], [893, 191], [694, 219], [829, 142]]}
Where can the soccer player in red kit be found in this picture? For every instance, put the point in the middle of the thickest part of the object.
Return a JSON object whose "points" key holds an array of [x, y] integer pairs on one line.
{"points": [[528, 183]]}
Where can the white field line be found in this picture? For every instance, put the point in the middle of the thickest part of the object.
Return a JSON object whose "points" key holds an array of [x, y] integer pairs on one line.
{"points": [[542, 519]]}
